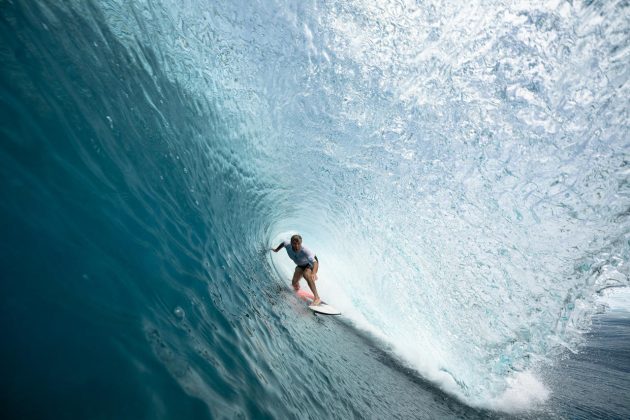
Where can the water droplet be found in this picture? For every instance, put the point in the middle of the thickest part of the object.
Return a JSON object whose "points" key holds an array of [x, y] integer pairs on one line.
{"points": [[179, 313]]}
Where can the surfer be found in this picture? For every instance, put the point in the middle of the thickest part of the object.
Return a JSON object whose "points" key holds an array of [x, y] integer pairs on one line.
{"points": [[306, 261]]}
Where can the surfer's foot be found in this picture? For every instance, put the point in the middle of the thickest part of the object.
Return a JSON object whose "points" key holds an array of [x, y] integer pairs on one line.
{"points": [[316, 302]]}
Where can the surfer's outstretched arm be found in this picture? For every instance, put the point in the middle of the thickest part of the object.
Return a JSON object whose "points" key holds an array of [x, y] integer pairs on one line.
{"points": [[278, 248]]}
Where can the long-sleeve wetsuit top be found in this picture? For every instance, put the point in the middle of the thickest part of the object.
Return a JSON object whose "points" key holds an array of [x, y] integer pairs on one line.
{"points": [[304, 257]]}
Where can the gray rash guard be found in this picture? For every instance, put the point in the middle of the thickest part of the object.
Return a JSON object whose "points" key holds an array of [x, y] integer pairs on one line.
{"points": [[303, 257]]}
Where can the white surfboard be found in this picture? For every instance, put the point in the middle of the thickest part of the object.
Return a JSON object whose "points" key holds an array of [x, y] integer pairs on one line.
{"points": [[322, 308]]}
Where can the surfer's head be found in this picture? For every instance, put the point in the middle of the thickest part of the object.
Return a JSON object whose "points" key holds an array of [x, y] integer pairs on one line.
{"points": [[296, 242]]}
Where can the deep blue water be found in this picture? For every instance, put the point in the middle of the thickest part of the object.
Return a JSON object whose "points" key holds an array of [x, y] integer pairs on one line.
{"points": [[461, 172]]}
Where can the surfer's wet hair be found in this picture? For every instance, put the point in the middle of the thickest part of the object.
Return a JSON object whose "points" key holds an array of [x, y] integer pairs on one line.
{"points": [[297, 238]]}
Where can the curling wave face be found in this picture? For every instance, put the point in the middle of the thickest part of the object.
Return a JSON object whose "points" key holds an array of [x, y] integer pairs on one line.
{"points": [[461, 171]]}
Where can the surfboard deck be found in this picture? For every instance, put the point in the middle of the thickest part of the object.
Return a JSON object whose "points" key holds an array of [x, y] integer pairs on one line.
{"points": [[323, 308]]}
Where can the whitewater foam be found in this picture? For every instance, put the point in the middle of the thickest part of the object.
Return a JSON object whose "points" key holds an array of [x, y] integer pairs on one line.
{"points": [[524, 391]]}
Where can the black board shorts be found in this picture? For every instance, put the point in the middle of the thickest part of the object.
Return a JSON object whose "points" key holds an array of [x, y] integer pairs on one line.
{"points": [[305, 266]]}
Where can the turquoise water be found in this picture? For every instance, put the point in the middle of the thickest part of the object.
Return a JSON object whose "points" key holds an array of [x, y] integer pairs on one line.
{"points": [[461, 172]]}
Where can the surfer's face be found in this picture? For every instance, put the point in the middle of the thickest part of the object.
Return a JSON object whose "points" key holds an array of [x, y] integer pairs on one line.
{"points": [[296, 245]]}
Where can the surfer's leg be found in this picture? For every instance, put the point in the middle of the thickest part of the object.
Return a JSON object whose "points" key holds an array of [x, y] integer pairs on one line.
{"points": [[308, 275], [296, 278]]}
